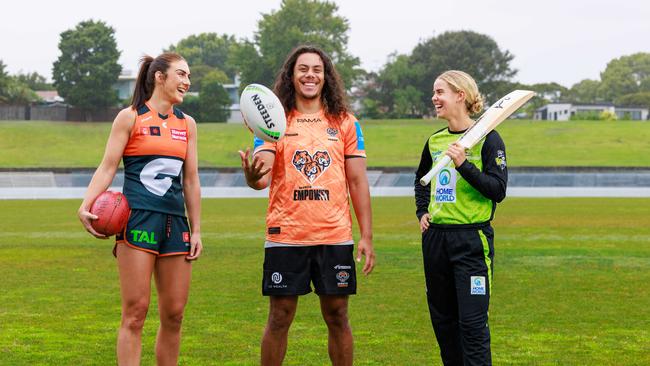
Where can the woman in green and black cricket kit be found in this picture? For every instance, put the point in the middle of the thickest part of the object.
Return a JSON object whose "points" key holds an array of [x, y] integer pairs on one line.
{"points": [[455, 211]]}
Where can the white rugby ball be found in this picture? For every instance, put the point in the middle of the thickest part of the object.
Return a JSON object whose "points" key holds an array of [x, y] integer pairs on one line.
{"points": [[263, 113]]}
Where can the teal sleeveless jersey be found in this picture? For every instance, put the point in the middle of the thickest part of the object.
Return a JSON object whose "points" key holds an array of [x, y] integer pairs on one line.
{"points": [[153, 161]]}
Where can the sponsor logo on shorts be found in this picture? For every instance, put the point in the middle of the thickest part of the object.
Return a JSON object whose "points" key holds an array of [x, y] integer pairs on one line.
{"points": [[179, 134], [339, 266], [276, 277], [142, 236], [343, 277], [477, 285], [186, 236]]}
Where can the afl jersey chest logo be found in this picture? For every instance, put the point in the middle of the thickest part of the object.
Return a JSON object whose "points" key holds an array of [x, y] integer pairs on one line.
{"points": [[150, 130], [180, 135]]}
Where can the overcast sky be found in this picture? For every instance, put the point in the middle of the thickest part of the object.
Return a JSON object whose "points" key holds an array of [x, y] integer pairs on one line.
{"points": [[552, 40]]}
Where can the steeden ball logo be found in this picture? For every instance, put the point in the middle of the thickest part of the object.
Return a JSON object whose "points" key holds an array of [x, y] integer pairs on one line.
{"points": [[444, 177]]}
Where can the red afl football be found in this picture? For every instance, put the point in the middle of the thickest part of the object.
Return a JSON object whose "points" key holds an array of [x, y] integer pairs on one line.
{"points": [[112, 210]]}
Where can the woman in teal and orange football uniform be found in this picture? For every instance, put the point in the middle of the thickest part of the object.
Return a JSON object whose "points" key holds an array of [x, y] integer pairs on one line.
{"points": [[157, 143]]}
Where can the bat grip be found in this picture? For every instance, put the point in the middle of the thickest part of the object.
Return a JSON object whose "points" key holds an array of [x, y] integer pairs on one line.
{"points": [[441, 164]]}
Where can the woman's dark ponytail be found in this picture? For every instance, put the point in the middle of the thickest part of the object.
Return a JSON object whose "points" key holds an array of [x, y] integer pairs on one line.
{"points": [[143, 87]]}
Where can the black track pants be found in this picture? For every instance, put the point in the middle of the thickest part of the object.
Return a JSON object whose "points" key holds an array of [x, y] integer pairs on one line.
{"points": [[458, 272]]}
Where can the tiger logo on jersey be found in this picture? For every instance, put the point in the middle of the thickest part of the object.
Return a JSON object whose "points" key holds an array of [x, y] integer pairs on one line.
{"points": [[312, 170], [322, 158], [311, 166], [300, 158]]}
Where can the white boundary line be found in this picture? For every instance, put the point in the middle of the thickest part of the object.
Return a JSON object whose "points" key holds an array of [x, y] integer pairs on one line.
{"points": [[578, 192]]}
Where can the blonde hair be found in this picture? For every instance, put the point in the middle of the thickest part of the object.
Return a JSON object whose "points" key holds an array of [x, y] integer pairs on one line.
{"points": [[460, 80]]}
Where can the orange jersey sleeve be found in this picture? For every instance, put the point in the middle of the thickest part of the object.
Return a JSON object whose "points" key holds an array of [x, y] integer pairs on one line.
{"points": [[355, 145]]}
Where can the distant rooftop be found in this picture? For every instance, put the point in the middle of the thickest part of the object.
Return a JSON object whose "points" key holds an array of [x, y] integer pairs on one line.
{"points": [[49, 96]]}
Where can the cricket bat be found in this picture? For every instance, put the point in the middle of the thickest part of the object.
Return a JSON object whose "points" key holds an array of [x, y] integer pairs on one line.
{"points": [[498, 112]]}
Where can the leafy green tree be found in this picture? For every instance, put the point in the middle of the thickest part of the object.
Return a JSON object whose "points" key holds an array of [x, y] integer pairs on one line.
{"points": [[297, 22], [34, 81], [366, 96], [13, 90], [191, 106], [585, 91], [553, 92], [208, 52], [407, 101], [210, 49], [626, 75], [198, 73], [641, 99], [475, 53], [4, 82], [88, 67], [370, 109], [391, 92], [396, 88], [19, 93], [214, 101], [250, 64]]}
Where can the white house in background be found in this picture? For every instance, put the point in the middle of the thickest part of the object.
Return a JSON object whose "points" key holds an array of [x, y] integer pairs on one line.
{"points": [[564, 111], [126, 84], [49, 96], [233, 92]]}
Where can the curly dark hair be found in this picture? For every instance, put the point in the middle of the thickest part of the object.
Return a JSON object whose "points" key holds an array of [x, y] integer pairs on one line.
{"points": [[333, 95]]}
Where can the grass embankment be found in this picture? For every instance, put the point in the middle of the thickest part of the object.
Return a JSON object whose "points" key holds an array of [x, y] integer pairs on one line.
{"points": [[391, 143]]}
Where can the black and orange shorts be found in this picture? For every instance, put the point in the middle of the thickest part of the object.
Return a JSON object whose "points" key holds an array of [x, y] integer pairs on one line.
{"points": [[157, 233]]}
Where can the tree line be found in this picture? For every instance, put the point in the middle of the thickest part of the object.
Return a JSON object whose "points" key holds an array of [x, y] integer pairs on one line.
{"points": [[88, 67]]}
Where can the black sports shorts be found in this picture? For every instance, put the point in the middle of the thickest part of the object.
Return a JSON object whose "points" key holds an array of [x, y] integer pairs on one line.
{"points": [[290, 270]]}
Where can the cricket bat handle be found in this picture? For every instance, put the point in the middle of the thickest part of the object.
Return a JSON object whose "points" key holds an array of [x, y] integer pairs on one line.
{"points": [[436, 168]]}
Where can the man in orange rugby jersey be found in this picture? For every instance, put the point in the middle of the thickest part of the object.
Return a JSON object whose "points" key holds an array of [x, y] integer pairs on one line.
{"points": [[308, 224]]}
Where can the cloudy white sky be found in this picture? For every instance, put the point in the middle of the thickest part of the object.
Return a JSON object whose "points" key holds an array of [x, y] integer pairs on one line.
{"points": [[553, 40]]}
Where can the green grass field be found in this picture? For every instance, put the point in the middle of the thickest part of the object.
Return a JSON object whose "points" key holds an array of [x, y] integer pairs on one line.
{"points": [[388, 143], [572, 287]]}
